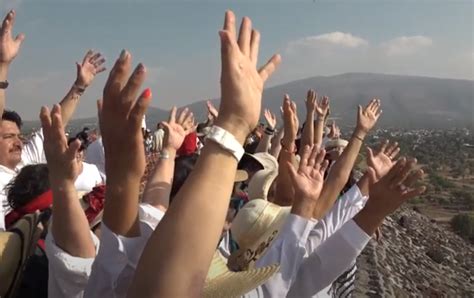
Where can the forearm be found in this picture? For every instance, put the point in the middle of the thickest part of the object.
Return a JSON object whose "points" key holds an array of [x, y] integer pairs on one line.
{"points": [[285, 192], [69, 103], [161, 264], [318, 132], [264, 144], [339, 175], [307, 137], [3, 77], [363, 184], [369, 221], [121, 205], [70, 227], [276, 144], [158, 187]]}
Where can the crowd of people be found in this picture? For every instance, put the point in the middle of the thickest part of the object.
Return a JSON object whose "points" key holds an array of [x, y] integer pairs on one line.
{"points": [[228, 207]]}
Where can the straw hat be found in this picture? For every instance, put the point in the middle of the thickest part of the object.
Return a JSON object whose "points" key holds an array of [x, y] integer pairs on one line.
{"points": [[254, 228], [260, 184], [241, 175], [334, 143], [264, 160], [16, 245], [221, 282]]}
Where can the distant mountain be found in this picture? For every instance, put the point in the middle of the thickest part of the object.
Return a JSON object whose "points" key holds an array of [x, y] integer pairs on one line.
{"points": [[407, 101]]}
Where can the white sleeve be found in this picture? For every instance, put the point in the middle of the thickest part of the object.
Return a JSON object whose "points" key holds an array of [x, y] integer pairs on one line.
{"points": [[344, 209], [68, 275], [288, 250], [33, 151], [329, 260], [118, 256]]}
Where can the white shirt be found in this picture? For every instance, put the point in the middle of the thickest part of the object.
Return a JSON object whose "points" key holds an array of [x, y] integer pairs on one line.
{"points": [[88, 179], [68, 275], [95, 155], [32, 153], [118, 257]]}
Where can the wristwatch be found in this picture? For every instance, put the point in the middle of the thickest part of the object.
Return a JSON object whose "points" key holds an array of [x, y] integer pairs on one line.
{"points": [[4, 84], [227, 141]]}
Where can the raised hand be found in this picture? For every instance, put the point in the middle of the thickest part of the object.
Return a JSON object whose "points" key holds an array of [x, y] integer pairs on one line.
{"points": [[290, 123], [368, 116], [322, 107], [383, 159], [62, 162], [241, 81], [335, 131], [311, 101], [9, 46], [92, 64], [270, 118], [308, 179], [177, 128]]}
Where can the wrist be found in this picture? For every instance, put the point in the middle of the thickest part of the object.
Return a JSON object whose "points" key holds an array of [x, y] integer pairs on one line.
{"points": [[4, 71], [288, 145], [303, 207], [61, 184], [369, 220], [80, 85], [236, 126], [169, 152], [359, 133]]}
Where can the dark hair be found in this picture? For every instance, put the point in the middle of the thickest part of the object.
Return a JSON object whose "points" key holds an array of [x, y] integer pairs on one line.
{"points": [[31, 182], [13, 117], [182, 168]]}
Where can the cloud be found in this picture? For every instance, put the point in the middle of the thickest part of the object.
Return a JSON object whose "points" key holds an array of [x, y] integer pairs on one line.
{"points": [[332, 39], [406, 45]]}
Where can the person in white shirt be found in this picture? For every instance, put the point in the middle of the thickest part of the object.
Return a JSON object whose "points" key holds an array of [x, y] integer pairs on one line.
{"points": [[89, 176], [13, 154], [95, 155]]}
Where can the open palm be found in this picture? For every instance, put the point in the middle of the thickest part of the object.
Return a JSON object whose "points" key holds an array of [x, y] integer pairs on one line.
{"points": [[177, 128], [382, 160], [9, 46]]}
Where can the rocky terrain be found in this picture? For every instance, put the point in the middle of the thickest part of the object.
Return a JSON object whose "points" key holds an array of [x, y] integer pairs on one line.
{"points": [[415, 257]]}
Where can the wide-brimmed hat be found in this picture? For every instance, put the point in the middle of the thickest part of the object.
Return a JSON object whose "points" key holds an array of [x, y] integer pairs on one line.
{"points": [[334, 143], [254, 228], [262, 160], [222, 282], [16, 246], [240, 176], [260, 184]]}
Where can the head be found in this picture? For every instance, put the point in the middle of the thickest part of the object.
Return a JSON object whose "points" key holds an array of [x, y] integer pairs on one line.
{"points": [[11, 143], [82, 148], [334, 148], [31, 182]]}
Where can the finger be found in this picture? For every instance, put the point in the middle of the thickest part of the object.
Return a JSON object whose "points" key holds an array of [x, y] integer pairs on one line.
{"points": [[57, 128], [72, 149], [323, 167], [20, 38], [267, 70], [304, 157], [413, 178], [394, 154], [45, 120], [254, 46], [132, 88], [312, 157], [94, 57], [383, 146], [229, 48], [414, 193], [8, 23], [245, 33], [389, 148], [140, 107], [99, 70], [320, 157], [99, 62], [293, 107], [187, 117], [292, 172], [229, 24], [172, 117], [403, 174], [370, 153], [88, 56], [395, 170], [117, 77], [182, 115]]}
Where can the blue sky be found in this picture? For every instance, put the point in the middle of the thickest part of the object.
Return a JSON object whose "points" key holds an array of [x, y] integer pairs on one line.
{"points": [[178, 42]]}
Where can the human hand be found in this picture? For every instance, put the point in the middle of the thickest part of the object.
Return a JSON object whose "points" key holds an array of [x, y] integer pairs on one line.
{"points": [[92, 64], [241, 81], [335, 131], [368, 116], [322, 107], [9, 46], [177, 128], [212, 112], [311, 101], [270, 118], [382, 160], [308, 179], [120, 118], [290, 123], [62, 162]]}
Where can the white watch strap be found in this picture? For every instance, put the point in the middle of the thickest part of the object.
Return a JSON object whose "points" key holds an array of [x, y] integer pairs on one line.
{"points": [[227, 141]]}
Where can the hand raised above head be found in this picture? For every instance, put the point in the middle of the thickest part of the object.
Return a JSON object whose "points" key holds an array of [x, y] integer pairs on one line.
{"points": [[368, 116], [270, 118], [120, 115], [241, 81], [322, 106], [311, 101], [92, 64], [177, 128], [290, 121], [9, 46], [61, 157], [383, 158]]}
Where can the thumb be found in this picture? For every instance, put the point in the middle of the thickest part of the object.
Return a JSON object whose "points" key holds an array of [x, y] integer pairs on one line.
{"points": [[78, 67], [72, 149], [370, 153], [140, 107], [20, 38], [372, 175]]}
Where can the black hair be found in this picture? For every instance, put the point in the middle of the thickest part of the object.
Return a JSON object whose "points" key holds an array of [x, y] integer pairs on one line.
{"points": [[31, 182], [83, 143], [183, 166], [13, 117]]}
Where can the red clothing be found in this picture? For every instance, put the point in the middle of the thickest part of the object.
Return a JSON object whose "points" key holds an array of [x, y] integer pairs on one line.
{"points": [[189, 145]]}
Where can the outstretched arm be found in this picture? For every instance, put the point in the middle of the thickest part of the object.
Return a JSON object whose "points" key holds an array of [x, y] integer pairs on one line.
{"points": [[307, 137], [9, 48], [92, 64], [264, 144], [322, 109], [69, 227], [209, 186], [158, 187], [337, 178]]}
